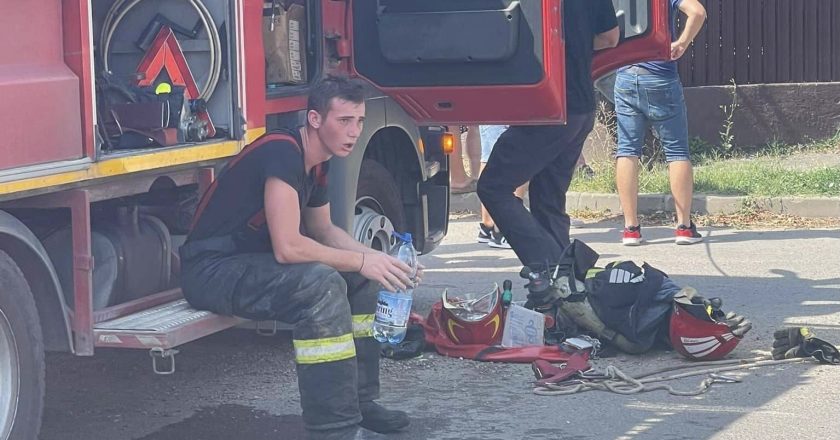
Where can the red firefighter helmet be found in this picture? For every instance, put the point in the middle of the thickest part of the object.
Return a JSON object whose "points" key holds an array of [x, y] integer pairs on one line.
{"points": [[696, 335], [473, 319]]}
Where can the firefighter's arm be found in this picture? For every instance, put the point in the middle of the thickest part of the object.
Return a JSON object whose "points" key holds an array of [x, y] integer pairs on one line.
{"points": [[696, 16], [283, 217], [607, 40], [318, 225], [289, 245]]}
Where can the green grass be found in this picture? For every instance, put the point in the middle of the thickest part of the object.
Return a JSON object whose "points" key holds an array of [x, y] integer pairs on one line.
{"points": [[758, 177]]}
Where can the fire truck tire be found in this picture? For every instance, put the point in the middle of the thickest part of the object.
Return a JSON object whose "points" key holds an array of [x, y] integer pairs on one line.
{"points": [[379, 209], [21, 356]]}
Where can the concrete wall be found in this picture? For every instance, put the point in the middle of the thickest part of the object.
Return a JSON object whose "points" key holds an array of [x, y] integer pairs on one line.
{"points": [[789, 113]]}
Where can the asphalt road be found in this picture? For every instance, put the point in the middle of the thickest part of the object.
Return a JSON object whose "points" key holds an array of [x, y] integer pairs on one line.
{"points": [[237, 385]]}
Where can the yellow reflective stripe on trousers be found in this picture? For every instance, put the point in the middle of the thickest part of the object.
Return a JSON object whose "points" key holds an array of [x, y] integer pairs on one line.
{"points": [[317, 351], [362, 326]]}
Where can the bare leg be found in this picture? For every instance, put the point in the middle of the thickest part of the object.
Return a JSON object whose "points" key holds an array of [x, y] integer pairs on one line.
{"points": [[627, 181], [458, 178], [520, 192], [681, 175], [485, 216], [473, 148]]}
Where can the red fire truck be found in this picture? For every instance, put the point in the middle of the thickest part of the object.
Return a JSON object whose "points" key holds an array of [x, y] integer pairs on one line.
{"points": [[117, 113]]}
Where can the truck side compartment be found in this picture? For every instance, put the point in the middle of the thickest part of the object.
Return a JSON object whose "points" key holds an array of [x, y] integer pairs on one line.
{"points": [[41, 95]]}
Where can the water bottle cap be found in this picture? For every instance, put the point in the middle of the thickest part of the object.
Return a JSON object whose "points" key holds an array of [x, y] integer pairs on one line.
{"points": [[404, 237]]}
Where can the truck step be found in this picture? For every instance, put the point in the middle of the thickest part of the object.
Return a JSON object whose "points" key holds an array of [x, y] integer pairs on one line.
{"points": [[165, 326]]}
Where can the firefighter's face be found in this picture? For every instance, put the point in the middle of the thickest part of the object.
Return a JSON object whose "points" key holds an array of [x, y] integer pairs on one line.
{"points": [[340, 128]]}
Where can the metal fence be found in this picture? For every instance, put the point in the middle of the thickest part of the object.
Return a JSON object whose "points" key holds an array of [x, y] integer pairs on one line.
{"points": [[765, 41]]}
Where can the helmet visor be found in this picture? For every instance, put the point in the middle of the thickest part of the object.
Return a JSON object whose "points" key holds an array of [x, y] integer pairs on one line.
{"points": [[472, 307]]}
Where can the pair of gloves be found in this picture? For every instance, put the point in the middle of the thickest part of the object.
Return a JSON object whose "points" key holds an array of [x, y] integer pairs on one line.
{"points": [[737, 324], [796, 342]]}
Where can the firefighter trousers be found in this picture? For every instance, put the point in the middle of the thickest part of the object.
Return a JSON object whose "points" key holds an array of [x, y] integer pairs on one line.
{"points": [[332, 313]]}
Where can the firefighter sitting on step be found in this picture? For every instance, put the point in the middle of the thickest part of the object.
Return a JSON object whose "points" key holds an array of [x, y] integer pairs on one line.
{"points": [[263, 247]]}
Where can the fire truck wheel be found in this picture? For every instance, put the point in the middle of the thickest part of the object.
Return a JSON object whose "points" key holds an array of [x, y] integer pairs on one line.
{"points": [[379, 209], [21, 356]]}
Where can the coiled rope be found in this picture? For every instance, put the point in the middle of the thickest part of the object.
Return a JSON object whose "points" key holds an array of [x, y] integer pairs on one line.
{"points": [[617, 381]]}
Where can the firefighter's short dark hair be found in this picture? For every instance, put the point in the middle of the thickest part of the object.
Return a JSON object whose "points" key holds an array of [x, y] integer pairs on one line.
{"points": [[333, 86]]}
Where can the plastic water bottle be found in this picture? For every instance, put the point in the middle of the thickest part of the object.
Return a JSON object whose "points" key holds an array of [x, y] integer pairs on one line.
{"points": [[393, 308]]}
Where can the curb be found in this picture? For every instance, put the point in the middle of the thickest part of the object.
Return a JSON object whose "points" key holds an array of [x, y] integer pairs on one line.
{"points": [[816, 207]]}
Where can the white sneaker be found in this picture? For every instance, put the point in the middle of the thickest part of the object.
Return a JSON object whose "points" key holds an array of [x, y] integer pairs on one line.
{"points": [[498, 241], [485, 233]]}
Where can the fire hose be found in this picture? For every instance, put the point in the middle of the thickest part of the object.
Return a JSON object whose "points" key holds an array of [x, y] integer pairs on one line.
{"points": [[617, 381], [120, 9]]}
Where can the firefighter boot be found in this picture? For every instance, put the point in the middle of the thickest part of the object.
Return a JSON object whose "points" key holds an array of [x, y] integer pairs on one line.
{"points": [[363, 296], [379, 419], [325, 353]]}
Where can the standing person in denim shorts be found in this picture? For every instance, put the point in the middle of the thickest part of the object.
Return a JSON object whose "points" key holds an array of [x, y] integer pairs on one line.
{"points": [[651, 94]]}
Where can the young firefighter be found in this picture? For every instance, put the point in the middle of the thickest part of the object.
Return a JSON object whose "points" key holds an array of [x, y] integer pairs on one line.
{"points": [[546, 155], [263, 247]]}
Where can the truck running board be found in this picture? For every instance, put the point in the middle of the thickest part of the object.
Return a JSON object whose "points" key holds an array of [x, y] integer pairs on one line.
{"points": [[163, 327]]}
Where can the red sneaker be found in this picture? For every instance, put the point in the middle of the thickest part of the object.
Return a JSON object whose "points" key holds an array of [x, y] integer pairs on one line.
{"points": [[632, 236], [687, 234]]}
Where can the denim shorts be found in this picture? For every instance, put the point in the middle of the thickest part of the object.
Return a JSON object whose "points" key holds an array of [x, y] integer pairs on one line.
{"points": [[644, 99], [489, 135]]}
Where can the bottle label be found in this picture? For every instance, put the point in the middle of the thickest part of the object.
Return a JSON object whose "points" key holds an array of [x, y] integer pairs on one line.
{"points": [[393, 309]]}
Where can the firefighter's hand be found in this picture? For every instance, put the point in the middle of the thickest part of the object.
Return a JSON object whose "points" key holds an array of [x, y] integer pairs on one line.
{"points": [[386, 270], [418, 276], [678, 49]]}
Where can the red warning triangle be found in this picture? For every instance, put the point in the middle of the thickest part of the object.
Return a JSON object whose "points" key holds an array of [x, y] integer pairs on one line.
{"points": [[165, 54]]}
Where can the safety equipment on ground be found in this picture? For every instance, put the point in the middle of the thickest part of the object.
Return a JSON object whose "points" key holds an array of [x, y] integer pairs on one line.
{"points": [[434, 327], [582, 313], [548, 283], [473, 318], [546, 372], [411, 346], [614, 380], [562, 287], [700, 330], [800, 342], [633, 300]]}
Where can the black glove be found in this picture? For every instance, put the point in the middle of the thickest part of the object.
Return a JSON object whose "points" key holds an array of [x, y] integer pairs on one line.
{"points": [[737, 324], [410, 347], [798, 342]]}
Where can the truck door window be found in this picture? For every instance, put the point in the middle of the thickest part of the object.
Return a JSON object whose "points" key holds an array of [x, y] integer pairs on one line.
{"points": [[633, 17]]}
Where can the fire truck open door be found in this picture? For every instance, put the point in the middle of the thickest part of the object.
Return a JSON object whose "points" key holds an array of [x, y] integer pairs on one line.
{"points": [[485, 61]]}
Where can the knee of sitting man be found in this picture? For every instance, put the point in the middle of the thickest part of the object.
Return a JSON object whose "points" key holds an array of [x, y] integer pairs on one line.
{"points": [[320, 292], [330, 295]]}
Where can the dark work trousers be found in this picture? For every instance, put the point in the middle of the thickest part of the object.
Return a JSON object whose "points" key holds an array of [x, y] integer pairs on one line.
{"points": [[545, 156], [327, 309]]}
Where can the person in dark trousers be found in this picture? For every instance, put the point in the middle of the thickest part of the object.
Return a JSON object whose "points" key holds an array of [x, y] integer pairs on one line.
{"points": [[263, 247], [546, 155]]}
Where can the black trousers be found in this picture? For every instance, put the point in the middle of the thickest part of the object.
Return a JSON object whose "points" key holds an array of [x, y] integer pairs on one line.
{"points": [[545, 156], [326, 307]]}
